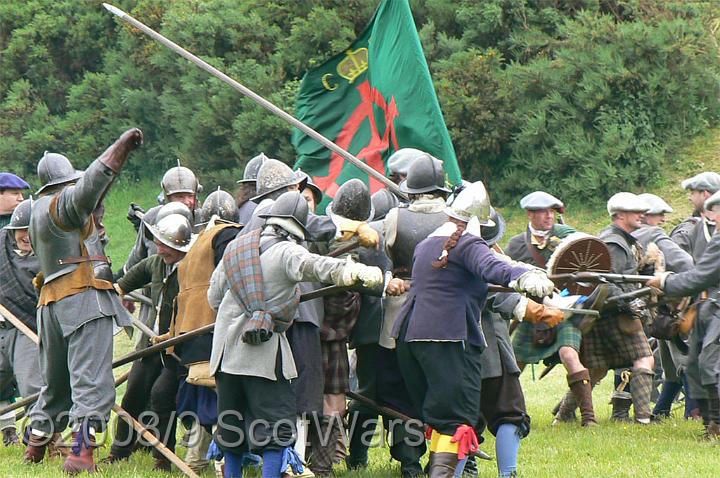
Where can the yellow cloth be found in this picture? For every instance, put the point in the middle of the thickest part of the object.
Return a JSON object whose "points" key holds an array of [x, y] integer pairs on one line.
{"points": [[442, 443]]}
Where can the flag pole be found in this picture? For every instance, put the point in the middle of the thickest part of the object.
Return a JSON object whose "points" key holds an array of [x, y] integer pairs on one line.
{"points": [[255, 97]]}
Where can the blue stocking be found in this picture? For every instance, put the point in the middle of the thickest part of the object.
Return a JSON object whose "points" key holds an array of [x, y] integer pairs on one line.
{"points": [[272, 461], [233, 465], [507, 445]]}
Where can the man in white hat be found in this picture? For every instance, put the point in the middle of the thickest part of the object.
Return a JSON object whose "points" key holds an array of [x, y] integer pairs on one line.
{"points": [[694, 233], [703, 362], [535, 246], [544, 231], [703, 368], [671, 257], [621, 341]]}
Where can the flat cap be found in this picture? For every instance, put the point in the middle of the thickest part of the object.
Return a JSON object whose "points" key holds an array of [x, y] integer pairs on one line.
{"points": [[401, 160], [707, 181], [10, 181], [540, 200], [713, 200], [656, 204], [626, 202]]}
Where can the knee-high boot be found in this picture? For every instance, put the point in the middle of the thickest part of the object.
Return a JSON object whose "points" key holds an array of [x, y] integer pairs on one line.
{"points": [[581, 389]]}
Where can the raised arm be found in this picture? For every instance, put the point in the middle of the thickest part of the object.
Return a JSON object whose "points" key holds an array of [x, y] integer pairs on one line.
{"points": [[76, 203]]}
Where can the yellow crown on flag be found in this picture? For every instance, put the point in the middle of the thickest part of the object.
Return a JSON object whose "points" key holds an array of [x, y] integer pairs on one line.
{"points": [[354, 64]]}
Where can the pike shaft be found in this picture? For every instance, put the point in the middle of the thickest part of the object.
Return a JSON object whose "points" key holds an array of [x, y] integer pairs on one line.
{"points": [[254, 96]]}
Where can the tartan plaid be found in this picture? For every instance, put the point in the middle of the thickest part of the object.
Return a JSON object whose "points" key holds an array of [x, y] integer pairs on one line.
{"points": [[606, 346], [20, 298], [526, 352], [244, 274], [341, 313], [336, 366]]}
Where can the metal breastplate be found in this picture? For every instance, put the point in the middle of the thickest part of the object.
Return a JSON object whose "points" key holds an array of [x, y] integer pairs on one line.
{"points": [[95, 247], [412, 228], [50, 243]]}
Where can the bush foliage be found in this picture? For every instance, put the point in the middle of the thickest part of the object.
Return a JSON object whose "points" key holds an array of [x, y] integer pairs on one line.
{"points": [[581, 97]]}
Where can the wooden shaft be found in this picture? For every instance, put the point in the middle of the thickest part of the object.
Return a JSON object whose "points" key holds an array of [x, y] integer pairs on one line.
{"points": [[152, 440], [19, 324], [389, 412], [33, 398]]}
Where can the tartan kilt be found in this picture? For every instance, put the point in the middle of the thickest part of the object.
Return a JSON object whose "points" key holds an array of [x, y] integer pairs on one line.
{"points": [[606, 346], [526, 352], [336, 366]]}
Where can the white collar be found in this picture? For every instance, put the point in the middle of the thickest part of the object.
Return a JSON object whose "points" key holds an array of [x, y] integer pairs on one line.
{"points": [[449, 228], [538, 232]]}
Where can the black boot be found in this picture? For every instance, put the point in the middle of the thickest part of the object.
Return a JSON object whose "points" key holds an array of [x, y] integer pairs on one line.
{"points": [[621, 403], [10, 437]]}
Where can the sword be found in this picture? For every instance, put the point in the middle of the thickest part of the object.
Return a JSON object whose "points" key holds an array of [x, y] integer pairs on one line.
{"points": [[255, 97], [600, 277]]}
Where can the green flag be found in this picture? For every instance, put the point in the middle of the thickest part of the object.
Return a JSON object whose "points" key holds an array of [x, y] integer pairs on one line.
{"points": [[372, 99]]}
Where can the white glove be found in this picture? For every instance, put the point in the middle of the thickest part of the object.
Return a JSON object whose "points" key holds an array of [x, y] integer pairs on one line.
{"points": [[351, 272], [355, 272], [371, 277], [534, 282]]}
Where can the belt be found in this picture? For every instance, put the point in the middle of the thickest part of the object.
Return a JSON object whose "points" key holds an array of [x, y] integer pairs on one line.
{"points": [[79, 259]]}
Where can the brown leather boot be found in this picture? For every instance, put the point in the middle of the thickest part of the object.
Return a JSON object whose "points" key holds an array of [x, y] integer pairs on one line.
{"points": [[35, 451], [443, 465], [81, 458], [581, 389]]}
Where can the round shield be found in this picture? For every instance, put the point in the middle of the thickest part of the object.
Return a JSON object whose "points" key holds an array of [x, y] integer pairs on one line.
{"points": [[579, 252]]}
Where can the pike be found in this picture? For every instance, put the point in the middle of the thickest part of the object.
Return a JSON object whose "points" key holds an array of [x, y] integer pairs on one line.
{"points": [[18, 324], [254, 96], [157, 444], [154, 442], [392, 413]]}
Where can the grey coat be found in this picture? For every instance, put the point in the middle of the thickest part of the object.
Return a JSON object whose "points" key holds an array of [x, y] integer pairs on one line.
{"points": [[676, 259], [283, 265], [692, 236], [499, 353], [704, 356]]}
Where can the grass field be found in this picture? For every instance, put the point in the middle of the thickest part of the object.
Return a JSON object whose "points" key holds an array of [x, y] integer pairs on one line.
{"points": [[669, 449]]}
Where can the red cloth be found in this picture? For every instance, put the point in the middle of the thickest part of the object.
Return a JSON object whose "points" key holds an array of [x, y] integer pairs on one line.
{"points": [[467, 441]]}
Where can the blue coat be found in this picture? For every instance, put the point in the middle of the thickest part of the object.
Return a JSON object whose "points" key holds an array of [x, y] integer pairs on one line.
{"points": [[445, 304]]}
